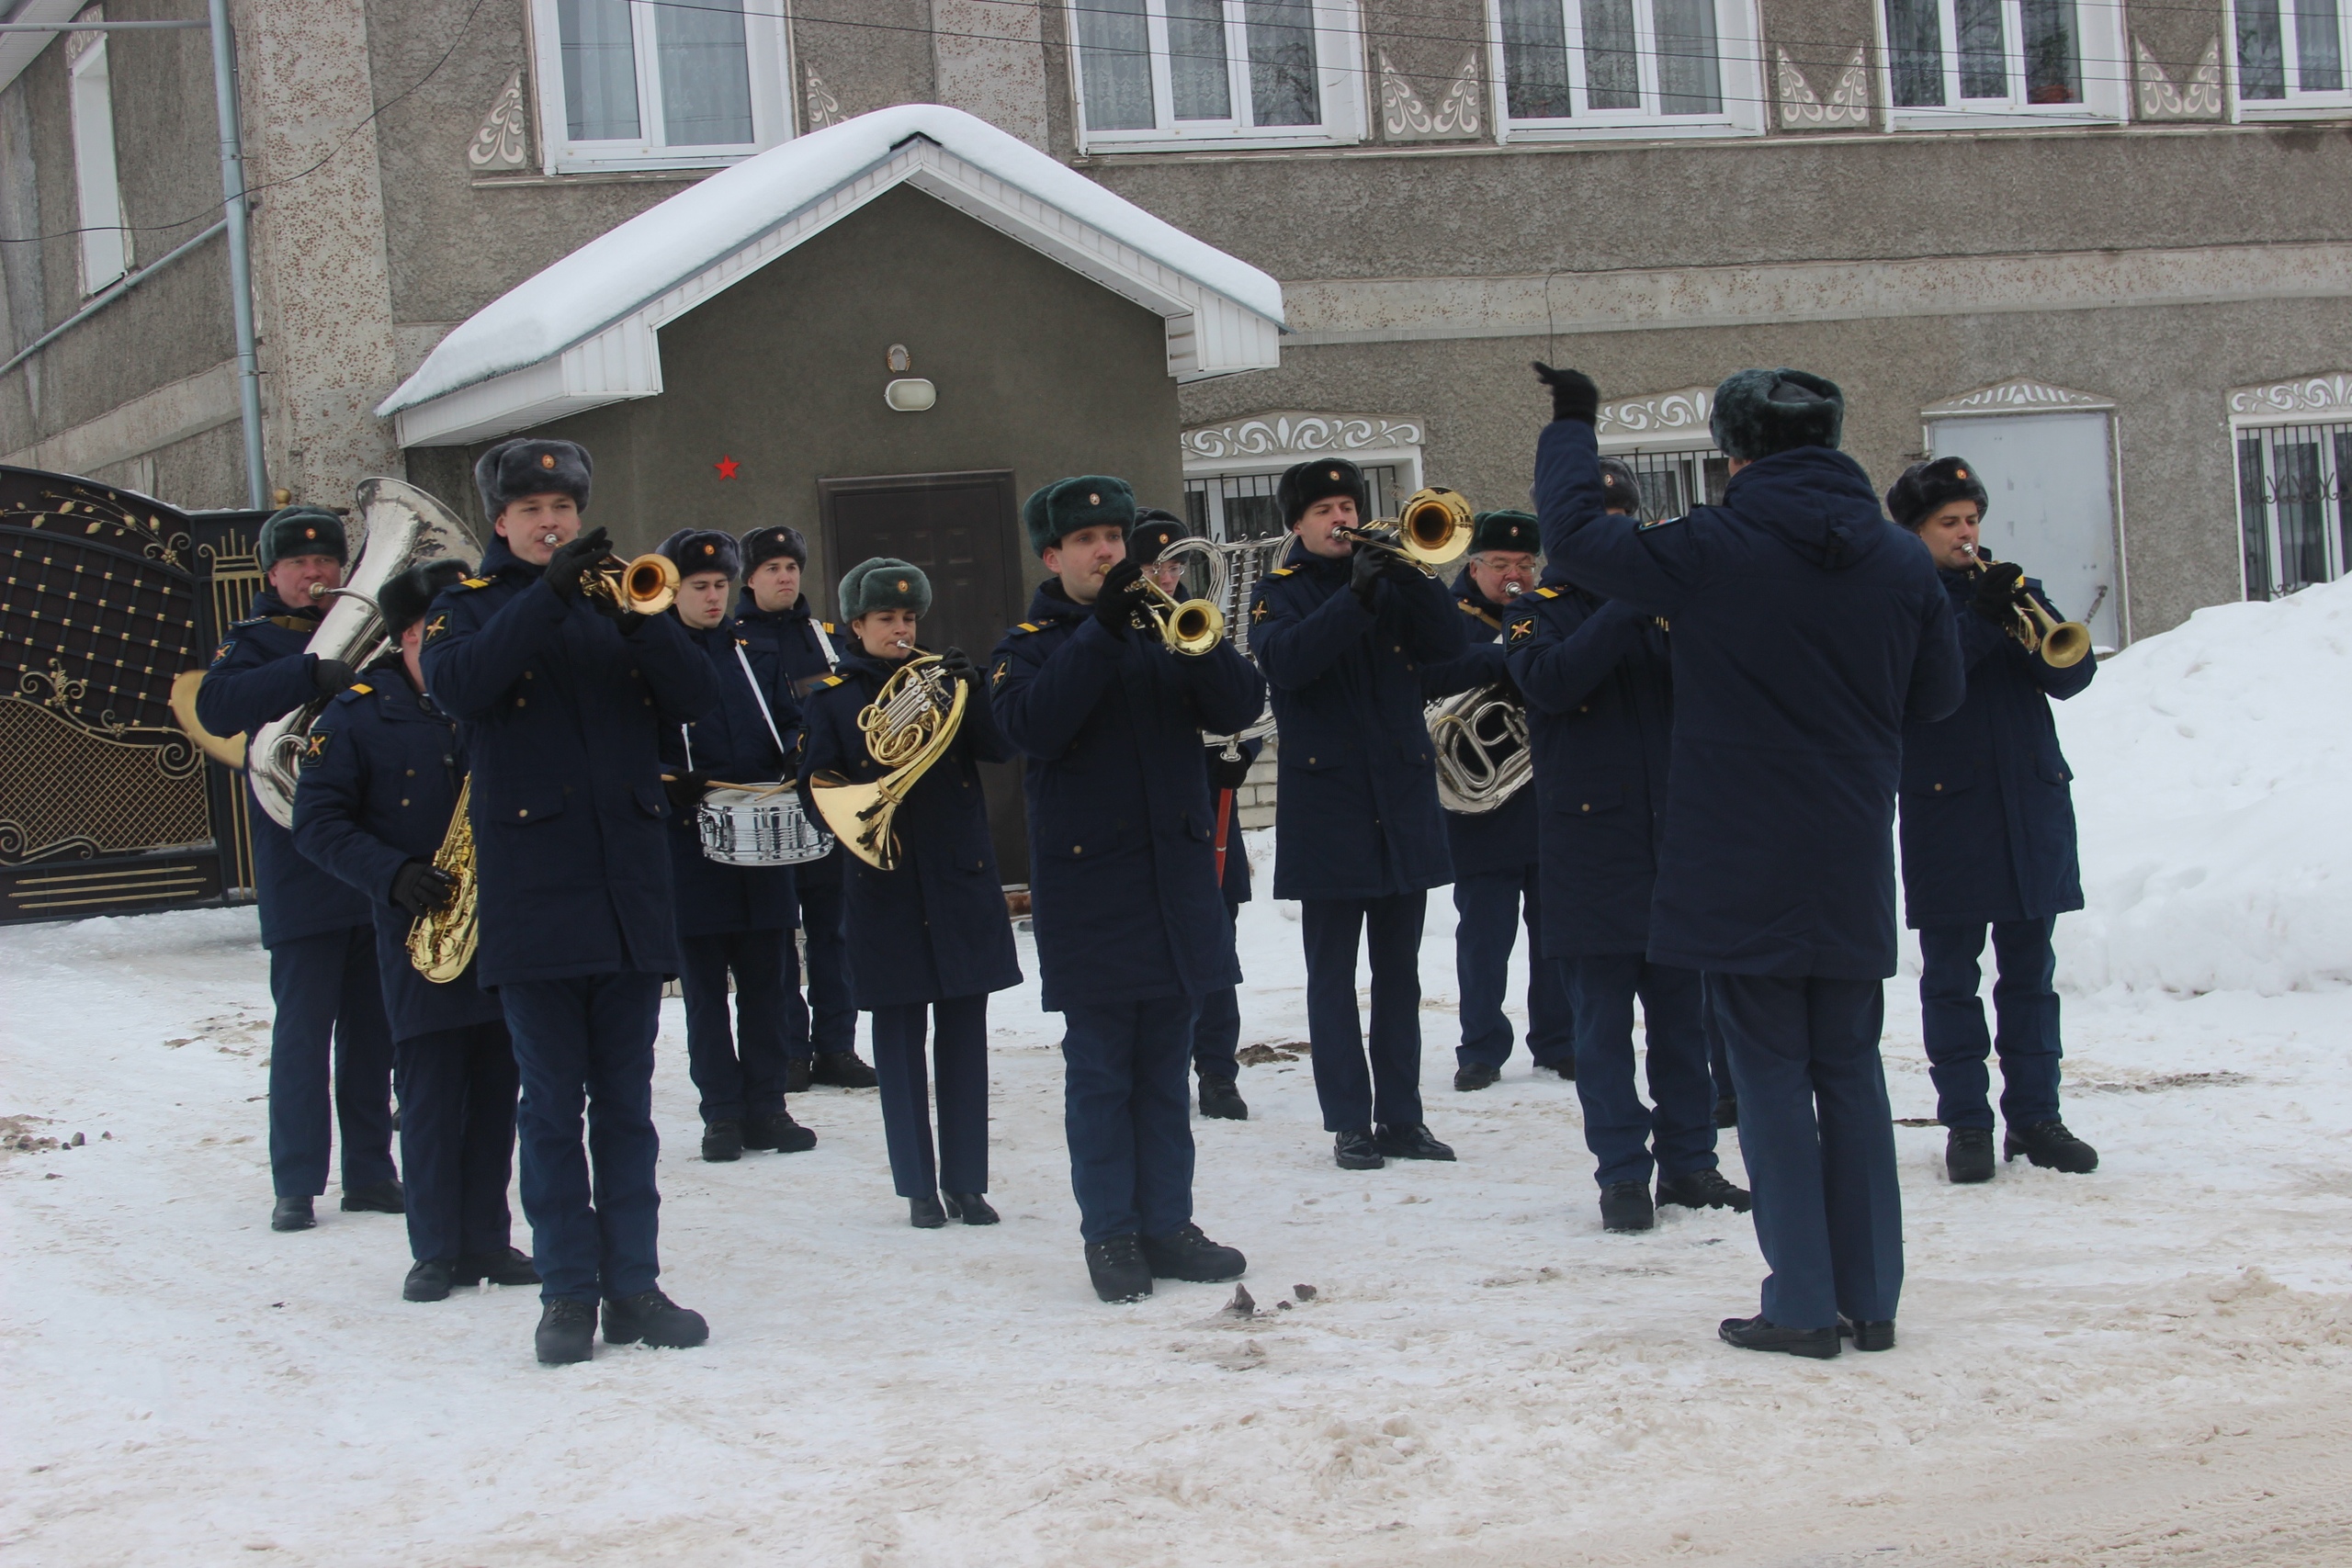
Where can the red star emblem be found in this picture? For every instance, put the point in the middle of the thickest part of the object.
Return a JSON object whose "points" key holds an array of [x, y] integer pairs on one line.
{"points": [[726, 467]]}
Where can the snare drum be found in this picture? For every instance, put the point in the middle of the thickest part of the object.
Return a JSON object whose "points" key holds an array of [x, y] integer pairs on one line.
{"points": [[759, 825]]}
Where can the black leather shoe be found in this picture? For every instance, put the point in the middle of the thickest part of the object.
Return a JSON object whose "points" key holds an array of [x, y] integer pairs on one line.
{"points": [[779, 1133], [1565, 1069], [1356, 1151], [1877, 1336], [566, 1332], [1117, 1268], [1968, 1154], [427, 1281], [292, 1214], [1222, 1100], [376, 1198], [925, 1213], [2044, 1142], [1189, 1255], [722, 1142], [1627, 1206], [1760, 1333], [842, 1069], [1727, 1111], [656, 1319], [510, 1267], [795, 1075], [1471, 1076], [1411, 1143], [1705, 1188], [969, 1207]]}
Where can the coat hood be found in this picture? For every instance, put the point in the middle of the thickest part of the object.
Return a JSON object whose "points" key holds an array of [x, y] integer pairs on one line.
{"points": [[1814, 500]]}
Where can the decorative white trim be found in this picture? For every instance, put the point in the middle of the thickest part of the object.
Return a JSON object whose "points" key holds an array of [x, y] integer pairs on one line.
{"points": [[1404, 118], [1659, 421], [1849, 100], [2017, 396], [2160, 100], [823, 108], [2287, 403], [1278, 440], [503, 142]]}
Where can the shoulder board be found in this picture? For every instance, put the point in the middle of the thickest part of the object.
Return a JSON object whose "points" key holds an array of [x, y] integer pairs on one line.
{"points": [[293, 624], [472, 583], [1022, 627], [1282, 572], [831, 680], [831, 629], [1547, 593], [359, 688], [1660, 523], [251, 621]]}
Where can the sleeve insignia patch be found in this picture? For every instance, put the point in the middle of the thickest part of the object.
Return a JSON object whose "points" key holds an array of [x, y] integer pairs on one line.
{"points": [[1004, 667], [1522, 629], [1261, 613], [222, 651], [435, 627], [315, 748]]}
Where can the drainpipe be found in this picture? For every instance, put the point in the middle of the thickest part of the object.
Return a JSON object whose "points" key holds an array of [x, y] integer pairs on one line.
{"points": [[241, 272]]}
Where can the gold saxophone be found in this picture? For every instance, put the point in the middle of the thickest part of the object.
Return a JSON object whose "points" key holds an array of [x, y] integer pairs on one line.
{"points": [[908, 726], [441, 944]]}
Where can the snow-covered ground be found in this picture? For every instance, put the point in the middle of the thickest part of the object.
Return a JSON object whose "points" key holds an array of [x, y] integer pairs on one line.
{"points": [[2150, 1364]]}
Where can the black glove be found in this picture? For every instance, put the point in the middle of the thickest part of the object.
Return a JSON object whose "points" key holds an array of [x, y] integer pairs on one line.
{"points": [[1574, 396], [1364, 571], [957, 665], [570, 562], [1117, 601], [331, 674], [685, 790], [420, 888], [1997, 593], [1229, 776]]}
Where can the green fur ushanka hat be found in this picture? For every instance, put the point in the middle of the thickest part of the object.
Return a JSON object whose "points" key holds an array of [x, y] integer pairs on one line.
{"points": [[1089, 501], [884, 583], [300, 531], [1759, 412], [1504, 530]]}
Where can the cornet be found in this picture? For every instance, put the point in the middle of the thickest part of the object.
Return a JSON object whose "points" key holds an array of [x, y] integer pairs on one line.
{"points": [[1189, 627], [2061, 644], [646, 586]]}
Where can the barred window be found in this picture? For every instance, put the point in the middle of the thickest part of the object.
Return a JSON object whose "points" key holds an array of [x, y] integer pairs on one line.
{"points": [[2294, 486], [1242, 506], [1259, 72], [2291, 53], [2005, 57], [1580, 66]]}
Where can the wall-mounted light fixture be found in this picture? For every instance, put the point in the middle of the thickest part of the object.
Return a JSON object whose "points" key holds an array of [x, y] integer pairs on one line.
{"points": [[908, 394]]}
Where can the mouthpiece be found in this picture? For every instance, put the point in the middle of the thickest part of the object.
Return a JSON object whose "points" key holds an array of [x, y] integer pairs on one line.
{"points": [[549, 539], [1513, 589], [320, 591]]}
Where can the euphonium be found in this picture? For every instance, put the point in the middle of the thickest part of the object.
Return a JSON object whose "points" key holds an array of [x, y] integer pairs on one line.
{"points": [[1433, 528], [646, 585], [2061, 644], [908, 726], [441, 944], [1479, 739]]}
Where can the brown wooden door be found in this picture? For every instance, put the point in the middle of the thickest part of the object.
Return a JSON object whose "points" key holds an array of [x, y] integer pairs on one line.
{"points": [[964, 530]]}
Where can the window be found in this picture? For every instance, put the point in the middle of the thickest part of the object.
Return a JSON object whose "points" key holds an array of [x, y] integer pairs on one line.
{"points": [[1229, 507], [1674, 482], [2291, 56], [1246, 73], [649, 83], [1631, 67], [2024, 60], [106, 243], [2294, 505]]}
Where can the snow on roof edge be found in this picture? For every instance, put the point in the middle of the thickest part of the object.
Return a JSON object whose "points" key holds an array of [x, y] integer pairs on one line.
{"points": [[573, 298]]}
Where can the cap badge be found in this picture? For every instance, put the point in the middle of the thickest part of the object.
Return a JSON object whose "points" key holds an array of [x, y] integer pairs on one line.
{"points": [[902, 585], [1092, 498], [310, 533], [547, 459], [1959, 473], [1335, 473]]}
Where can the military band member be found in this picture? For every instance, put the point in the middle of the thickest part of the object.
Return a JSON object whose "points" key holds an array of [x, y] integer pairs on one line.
{"points": [[1342, 634], [1131, 927], [929, 940], [379, 786], [565, 694], [1988, 840], [323, 984], [733, 920], [1806, 629], [774, 612], [1496, 868]]}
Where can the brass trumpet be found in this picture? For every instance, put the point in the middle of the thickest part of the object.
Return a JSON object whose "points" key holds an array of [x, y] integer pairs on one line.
{"points": [[1189, 626], [2061, 644], [1433, 528], [646, 585]]}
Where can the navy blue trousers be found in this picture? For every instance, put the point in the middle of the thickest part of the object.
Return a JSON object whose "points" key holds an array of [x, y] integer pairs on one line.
{"points": [[1127, 1117], [824, 1021], [1216, 1028], [1820, 1143], [1629, 1140], [1491, 907], [329, 1028], [959, 1061], [738, 1064], [458, 1090], [1356, 1093], [586, 1046], [1718, 1058], [2025, 1005]]}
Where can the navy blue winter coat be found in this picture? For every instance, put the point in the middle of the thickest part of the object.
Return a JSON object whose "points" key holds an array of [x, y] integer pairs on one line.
{"points": [[259, 674], [1599, 691], [563, 714], [1503, 838], [1988, 818], [1807, 629], [730, 744], [808, 649], [937, 928], [1356, 812], [1121, 825], [380, 785]]}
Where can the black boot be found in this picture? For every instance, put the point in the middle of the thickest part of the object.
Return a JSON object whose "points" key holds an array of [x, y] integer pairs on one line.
{"points": [[1474, 1076], [969, 1207], [925, 1213], [1117, 1268], [1189, 1255], [2044, 1142], [722, 1141], [376, 1198], [653, 1317], [843, 1069], [1705, 1188], [779, 1133], [566, 1332], [1356, 1150], [510, 1267], [1565, 1069], [292, 1214], [1627, 1206], [1878, 1335], [1411, 1143], [1222, 1100], [427, 1281], [795, 1075], [1727, 1111], [1760, 1333], [1968, 1154]]}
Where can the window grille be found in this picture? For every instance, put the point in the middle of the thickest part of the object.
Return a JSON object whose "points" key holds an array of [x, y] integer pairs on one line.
{"points": [[1227, 507], [2293, 485], [1674, 482]]}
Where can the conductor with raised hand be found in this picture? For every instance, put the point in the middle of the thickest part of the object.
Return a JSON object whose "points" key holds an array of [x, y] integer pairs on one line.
{"points": [[1807, 628]]}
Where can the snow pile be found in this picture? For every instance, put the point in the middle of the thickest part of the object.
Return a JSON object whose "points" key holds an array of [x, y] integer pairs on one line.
{"points": [[2214, 778]]}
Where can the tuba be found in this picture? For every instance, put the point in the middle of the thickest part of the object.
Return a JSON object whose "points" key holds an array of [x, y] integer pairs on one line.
{"points": [[2061, 644], [908, 726], [441, 944]]}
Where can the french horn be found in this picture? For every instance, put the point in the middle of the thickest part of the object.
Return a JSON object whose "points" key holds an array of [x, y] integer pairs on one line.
{"points": [[909, 725]]}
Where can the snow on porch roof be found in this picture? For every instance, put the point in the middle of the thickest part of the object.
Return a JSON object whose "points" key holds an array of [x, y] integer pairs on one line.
{"points": [[582, 333]]}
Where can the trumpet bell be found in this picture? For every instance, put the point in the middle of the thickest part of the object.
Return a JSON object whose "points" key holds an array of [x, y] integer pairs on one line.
{"points": [[1194, 627], [1435, 526], [646, 585], [2061, 644]]}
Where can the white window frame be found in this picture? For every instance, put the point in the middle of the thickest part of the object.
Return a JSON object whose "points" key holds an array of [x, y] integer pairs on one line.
{"points": [[2321, 403], [1739, 61], [1339, 83], [767, 47], [2107, 96], [97, 188], [1263, 445], [2297, 104]]}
